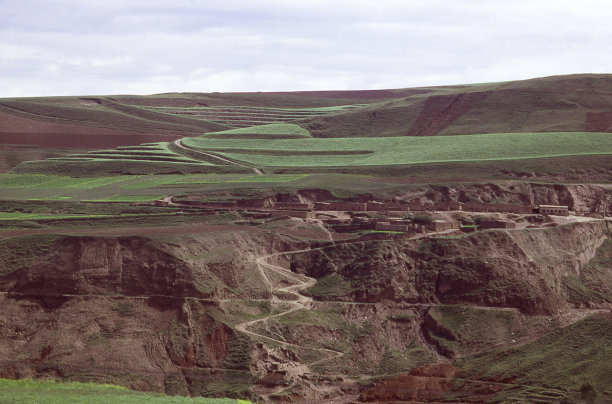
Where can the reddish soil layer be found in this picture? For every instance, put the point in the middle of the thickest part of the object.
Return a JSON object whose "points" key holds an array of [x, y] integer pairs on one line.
{"points": [[19, 130], [422, 384], [440, 111], [598, 122]]}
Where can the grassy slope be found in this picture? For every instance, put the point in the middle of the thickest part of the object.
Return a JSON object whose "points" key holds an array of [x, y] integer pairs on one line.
{"points": [[31, 391], [558, 103], [312, 152], [563, 359]]}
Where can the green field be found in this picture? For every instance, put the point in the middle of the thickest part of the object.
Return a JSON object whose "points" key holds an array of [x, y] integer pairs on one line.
{"points": [[149, 152], [343, 152], [248, 116], [50, 392], [131, 188], [270, 131], [42, 181]]}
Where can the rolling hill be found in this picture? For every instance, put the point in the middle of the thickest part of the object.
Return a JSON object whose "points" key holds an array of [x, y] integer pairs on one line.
{"points": [[326, 246]]}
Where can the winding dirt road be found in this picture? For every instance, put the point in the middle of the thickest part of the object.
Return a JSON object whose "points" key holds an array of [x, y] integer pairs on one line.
{"points": [[296, 301]]}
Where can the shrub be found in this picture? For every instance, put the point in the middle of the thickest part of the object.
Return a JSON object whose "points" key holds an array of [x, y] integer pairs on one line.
{"points": [[422, 219], [588, 392]]}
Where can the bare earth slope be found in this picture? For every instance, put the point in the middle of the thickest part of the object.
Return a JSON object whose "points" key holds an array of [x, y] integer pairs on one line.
{"points": [[225, 313]]}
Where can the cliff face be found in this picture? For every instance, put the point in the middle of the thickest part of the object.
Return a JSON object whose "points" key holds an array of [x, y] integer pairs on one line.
{"points": [[176, 314], [135, 311], [585, 198], [204, 266], [521, 269]]}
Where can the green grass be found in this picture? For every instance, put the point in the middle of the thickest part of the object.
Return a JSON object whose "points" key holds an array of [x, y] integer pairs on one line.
{"points": [[169, 180], [82, 167], [394, 361], [38, 216], [149, 158], [250, 116], [42, 181], [595, 281], [51, 392], [127, 198], [564, 359], [313, 152], [270, 131], [330, 285]]}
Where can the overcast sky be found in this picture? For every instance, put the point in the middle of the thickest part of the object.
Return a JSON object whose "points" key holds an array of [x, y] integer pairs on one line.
{"points": [[78, 47]]}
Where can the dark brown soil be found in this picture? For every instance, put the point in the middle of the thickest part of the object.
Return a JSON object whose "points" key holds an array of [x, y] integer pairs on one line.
{"points": [[17, 130], [441, 110]]}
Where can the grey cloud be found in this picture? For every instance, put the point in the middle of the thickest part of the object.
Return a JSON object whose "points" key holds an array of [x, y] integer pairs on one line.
{"points": [[74, 47]]}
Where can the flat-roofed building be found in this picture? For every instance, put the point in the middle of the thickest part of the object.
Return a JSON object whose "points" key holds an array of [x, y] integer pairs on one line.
{"points": [[557, 210]]}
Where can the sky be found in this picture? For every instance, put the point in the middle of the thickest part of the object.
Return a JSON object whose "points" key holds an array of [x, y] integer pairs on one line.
{"points": [[85, 47]]}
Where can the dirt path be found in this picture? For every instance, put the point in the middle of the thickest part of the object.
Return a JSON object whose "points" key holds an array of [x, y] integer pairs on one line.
{"points": [[295, 371], [180, 144], [294, 300]]}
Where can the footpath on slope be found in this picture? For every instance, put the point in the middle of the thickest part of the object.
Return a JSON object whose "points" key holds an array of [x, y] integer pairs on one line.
{"points": [[301, 282], [179, 143]]}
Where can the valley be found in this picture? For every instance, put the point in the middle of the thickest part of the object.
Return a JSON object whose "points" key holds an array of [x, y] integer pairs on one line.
{"points": [[442, 244]]}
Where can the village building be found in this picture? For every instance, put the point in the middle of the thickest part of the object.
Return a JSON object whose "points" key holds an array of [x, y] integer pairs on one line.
{"points": [[302, 214], [441, 225], [557, 210], [293, 206], [387, 226], [497, 224], [340, 206]]}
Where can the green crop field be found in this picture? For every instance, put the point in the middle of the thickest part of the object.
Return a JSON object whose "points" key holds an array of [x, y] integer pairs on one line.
{"points": [[169, 180], [50, 392], [150, 152], [245, 116], [342, 152], [127, 198], [270, 131], [42, 181]]}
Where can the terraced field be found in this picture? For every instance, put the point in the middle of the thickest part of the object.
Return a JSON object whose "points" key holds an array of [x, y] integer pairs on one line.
{"points": [[152, 152], [130, 188], [268, 131], [386, 151], [148, 158], [244, 116]]}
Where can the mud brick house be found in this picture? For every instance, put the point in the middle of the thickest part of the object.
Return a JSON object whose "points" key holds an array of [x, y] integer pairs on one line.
{"points": [[558, 210], [302, 214], [476, 206], [448, 205], [441, 225], [293, 206], [386, 226], [497, 224], [341, 206], [375, 206]]}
